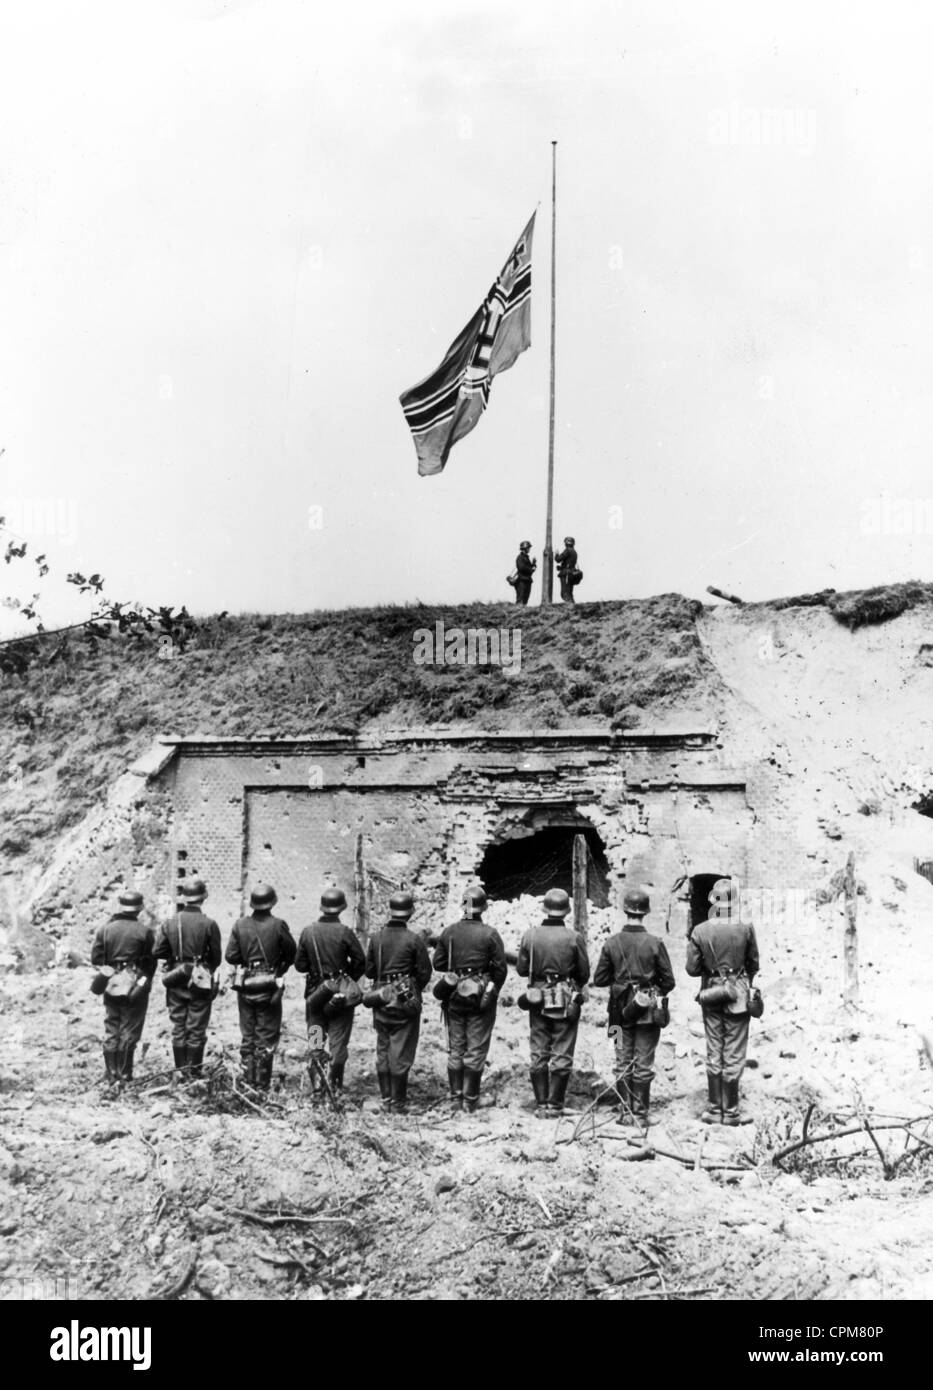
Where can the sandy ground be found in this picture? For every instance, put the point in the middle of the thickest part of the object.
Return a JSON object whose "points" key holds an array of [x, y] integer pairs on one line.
{"points": [[132, 1197]]}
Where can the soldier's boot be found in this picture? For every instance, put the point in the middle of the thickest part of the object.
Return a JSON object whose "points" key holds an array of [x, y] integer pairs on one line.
{"points": [[731, 1113], [196, 1061], [624, 1092], [316, 1077], [264, 1070], [385, 1089], [180, 1055], [643, 1102], [455, 1082], [248, 1065], [111, 1073], [336, 1078], [128, 1062], [560, 1080], [539, 1084], [712, 1115], [399, 1094], [471, 1085]]}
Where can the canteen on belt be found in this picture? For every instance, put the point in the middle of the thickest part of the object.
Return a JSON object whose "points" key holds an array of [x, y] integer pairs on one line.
{"points": [[717, 994], [532, 999], [446, 986], [99, 982], [177, 975], [320, 996], [468, 989], [374, 998], [260, 982]]}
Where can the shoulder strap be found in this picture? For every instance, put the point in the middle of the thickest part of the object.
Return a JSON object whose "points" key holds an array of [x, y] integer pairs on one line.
{"points": [[262, 952], [317, 954]]}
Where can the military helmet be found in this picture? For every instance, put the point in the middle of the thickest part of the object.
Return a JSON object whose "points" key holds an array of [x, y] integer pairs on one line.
{"points": [[194, 891], [401, 905], [569, 540], [475, 900], [636, 902], [724, 895], [524, 545], [556, 902], [333, 900], [131, 900], [263, 896]]}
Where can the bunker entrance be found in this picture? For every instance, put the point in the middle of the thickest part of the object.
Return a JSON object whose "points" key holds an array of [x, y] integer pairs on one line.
{"points": [[544, 859], [701, 885]]}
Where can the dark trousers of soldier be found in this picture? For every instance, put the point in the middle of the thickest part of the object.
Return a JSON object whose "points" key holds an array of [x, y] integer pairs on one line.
{"points": [[635, 1049], [123, 1022], [189, 1014], [566, 589], [726, 1043], [522, 590], [552, 1043], [469, 1033], [123, 1026], [396, 1042], [260, 1030], [330, 1031]]}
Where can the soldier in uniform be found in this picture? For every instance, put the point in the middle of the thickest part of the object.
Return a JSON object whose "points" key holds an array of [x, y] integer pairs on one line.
{"points": [[260, 945], [630, 960], [190, 938], [566, 562], [124, 942], [551, 955], [524, 568], [724, 948], [396, 956], [326, 950], [473, 951]]}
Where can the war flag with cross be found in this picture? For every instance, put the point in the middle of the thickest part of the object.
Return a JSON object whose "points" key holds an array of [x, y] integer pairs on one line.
{"points": [[448, 403]]}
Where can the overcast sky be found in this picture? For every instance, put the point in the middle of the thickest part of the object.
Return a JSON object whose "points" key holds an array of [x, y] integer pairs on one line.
{"points": [[231, 234]]}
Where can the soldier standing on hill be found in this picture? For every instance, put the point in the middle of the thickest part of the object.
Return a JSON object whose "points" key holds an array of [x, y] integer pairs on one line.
{"points": [[125, 946], [566, 562], [262, 948], [327, 950], [554, 961], [630, 960], [189, 939], [724, 952], [397, 960], [473, 952], [524, 569]]}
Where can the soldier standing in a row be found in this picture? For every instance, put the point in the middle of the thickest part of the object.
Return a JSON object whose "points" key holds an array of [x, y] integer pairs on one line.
{"points": [[125, 946], [262, 947], [567, 570], [524, 570], [632, 959], [190, 938], [724, 951], [327, 950], [553, 960], [473, 952], [396, 957]]}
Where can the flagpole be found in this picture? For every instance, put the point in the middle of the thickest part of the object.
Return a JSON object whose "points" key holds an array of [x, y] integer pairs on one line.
{"points": [[547, 587]]}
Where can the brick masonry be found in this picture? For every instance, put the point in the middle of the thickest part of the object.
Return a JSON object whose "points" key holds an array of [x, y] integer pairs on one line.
{"points": [[426, 807]]}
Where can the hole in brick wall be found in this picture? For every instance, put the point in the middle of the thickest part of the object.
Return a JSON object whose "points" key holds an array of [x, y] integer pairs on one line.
{"points": [[534, 863], [701, 885], [924, 804]]}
